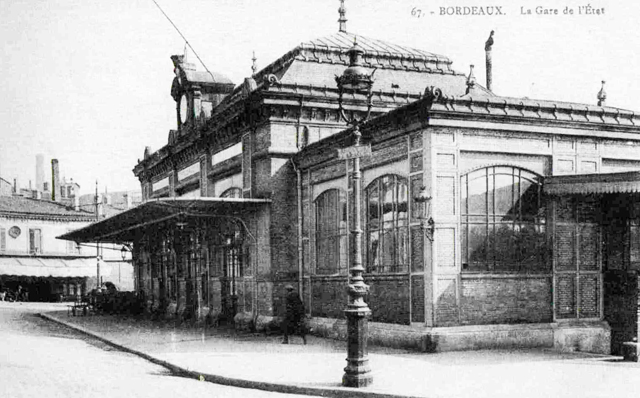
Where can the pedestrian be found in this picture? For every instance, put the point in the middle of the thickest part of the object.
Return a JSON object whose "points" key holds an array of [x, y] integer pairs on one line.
{"points": [[294, 316]]}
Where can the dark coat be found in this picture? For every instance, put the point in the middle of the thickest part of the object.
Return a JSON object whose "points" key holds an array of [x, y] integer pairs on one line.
{"points": [[294, 313]]}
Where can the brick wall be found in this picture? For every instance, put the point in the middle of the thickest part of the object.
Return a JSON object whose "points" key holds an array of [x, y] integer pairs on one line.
{"points": [[389, 298], [417, 298], [284, 220], [505, 300], [329, 297]]}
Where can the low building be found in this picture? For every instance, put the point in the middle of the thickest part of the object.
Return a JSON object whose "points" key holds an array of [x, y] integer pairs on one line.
{"points": [[48, 268], [5, 187], [488, 221]]}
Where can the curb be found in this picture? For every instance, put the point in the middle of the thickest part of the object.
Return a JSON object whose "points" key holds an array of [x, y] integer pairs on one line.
{"points": [[340, 392]]}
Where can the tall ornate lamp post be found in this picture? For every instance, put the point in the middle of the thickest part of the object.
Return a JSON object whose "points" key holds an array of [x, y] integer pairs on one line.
{"points": [[356, 79]]}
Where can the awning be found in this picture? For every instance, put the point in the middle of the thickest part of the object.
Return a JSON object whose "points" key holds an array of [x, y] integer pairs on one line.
{"points": [[123, 227], [583, 184], [54, 267]]}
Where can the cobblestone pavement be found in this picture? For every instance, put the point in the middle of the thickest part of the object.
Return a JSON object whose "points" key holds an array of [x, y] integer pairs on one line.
{"points": [[258, 359], [42, 358]]}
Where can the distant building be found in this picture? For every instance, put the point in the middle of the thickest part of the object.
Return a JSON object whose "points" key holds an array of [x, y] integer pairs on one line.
{"points": [[49, 268], [110, 203], [5, 187]]}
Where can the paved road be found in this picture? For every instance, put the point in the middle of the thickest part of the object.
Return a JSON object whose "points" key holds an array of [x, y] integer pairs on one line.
{"points": [[39, 358]]}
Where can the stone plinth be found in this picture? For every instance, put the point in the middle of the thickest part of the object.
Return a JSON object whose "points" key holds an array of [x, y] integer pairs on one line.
{"points": [[630, 351]]}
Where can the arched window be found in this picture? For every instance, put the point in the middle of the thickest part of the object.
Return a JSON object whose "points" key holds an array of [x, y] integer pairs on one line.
{"points": [[387, 228], [331, 232], [232, 193], [503, 221]]}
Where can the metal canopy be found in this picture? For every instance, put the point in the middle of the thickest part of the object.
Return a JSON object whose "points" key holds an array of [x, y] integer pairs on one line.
{"points": [[584, 184], [123, 227]]}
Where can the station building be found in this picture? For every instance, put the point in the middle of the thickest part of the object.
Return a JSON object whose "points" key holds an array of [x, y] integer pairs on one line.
{"points": [[527, 232]]}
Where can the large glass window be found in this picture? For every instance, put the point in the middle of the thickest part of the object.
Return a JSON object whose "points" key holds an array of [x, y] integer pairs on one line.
{"points": [[387, 228], [232, 193], [331, 232], [503, 221]]}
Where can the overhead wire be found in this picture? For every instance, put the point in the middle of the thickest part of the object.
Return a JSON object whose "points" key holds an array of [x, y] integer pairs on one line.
{"points": [[185, 39]]}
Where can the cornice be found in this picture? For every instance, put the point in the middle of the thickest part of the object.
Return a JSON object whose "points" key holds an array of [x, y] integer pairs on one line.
{"points": [[47, 217], [534, 112]]}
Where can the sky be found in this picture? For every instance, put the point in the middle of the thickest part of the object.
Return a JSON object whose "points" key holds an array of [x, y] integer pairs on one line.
{"points": [[88, 81]]}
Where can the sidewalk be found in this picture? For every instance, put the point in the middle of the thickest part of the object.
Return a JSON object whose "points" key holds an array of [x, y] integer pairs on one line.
{"points": [[258, 361]]}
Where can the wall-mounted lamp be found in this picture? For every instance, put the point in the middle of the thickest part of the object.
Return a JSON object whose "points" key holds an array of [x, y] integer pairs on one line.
{"points": [[428, 224]]}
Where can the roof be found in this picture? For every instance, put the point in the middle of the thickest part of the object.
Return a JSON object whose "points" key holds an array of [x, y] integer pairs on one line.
{"points": [[188, 71], [399, 68], [583, 184], [18, 206], [377, 53], [59, 267], [207, 77], [124, 226]]}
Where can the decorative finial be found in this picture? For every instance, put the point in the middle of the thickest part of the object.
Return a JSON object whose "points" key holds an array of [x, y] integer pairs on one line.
{"points": [[602, 95], [343, 19], [254, 66], [471, 80], [355, 53]]}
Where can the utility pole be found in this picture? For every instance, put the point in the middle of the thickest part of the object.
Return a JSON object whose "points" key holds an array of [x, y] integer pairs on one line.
{"points": [[97, 243]]}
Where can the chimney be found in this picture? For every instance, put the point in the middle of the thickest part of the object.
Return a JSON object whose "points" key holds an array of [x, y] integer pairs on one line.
{"points": [[40, 172], [55, 180], [487, 50], [15, 185]]}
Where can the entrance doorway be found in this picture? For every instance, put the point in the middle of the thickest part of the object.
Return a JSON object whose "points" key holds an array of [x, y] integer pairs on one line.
{"points": [[231, 257], [621, 307], [620, 276]]}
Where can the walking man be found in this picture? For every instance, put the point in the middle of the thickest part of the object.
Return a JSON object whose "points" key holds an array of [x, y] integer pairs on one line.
{"points": [[294, 316]]}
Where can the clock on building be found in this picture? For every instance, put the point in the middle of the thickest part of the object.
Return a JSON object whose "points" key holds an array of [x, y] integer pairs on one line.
{"points": [[14, 232], [183, 110]]}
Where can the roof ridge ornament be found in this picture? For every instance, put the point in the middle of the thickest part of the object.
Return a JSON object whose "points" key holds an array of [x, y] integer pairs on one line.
{"points": [[343, 19], [602, 95], [254, 65], [432, 94], [471, 80]]}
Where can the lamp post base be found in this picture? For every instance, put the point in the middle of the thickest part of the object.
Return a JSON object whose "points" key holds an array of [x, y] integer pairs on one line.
{"points": [[357, 373]]}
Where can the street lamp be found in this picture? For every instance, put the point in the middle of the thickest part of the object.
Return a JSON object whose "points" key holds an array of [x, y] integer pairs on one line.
{"points": [[123, 252], [427, 223], [356, 79]]}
